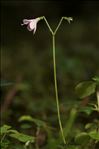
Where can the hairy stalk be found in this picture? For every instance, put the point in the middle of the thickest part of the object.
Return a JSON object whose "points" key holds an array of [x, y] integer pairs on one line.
{"points": [[56, 90]]}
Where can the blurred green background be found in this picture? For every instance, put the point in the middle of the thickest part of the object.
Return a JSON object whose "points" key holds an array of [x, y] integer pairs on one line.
{"points": [[26, 59]]}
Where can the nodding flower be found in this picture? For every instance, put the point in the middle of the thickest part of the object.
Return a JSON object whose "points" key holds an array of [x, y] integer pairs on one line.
{"points": [[31, 24]]}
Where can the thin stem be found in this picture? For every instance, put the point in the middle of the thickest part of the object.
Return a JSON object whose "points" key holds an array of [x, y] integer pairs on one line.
{"points": [[48, 26], [58, 25], [56, 90]]}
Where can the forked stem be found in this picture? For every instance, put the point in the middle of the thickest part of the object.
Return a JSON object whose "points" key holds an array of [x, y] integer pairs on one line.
{"points": [[54, 67]]}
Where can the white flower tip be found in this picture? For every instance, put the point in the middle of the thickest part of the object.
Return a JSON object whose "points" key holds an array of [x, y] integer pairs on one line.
{"points": [[68, 19]]}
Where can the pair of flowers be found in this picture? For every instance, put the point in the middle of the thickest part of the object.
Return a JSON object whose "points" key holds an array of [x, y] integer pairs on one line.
{"points": [[32, 23]]}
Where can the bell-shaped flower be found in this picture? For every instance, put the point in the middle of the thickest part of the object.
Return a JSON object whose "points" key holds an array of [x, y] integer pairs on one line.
{"points": [[31, 24]]}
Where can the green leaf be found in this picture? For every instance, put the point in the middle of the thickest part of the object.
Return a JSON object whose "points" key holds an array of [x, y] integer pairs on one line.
{"points": [[94, 135], [70, 122], [5, 144], [26, 118], [89, 125], [12, 131], [25, 126], [85, 89], [4, 129], [22, 137], [88, 110], [82, 138], [72, 147], [39, 123], [96, 78]]}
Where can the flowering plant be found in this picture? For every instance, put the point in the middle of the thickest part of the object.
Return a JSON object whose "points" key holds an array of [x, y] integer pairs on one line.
{"points": [[32, 26]]}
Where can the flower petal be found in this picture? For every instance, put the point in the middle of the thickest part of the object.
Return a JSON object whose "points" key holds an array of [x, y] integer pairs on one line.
{"points": [[35, 29], [25, 22], [29, 28], [31, 24]]}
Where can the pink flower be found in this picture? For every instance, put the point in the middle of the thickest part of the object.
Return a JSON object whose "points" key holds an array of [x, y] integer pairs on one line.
{"points": [[31, 24]]}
